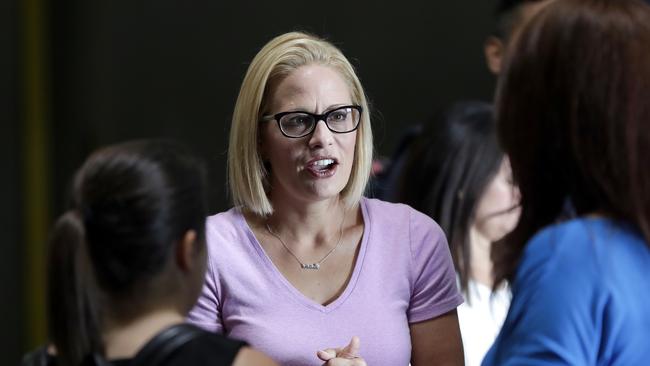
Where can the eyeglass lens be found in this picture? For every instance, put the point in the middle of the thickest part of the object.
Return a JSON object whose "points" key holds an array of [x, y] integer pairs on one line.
{"points": [[343, 119]]}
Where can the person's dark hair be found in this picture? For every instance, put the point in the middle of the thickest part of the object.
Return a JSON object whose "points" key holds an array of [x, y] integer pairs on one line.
{"points": [[448, 167], [131, 204], [572, 114], [507, 14]]}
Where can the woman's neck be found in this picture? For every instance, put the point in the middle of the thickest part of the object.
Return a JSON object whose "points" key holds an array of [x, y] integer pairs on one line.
{"points": [[125, 339], [313, 222], [480, 268]]}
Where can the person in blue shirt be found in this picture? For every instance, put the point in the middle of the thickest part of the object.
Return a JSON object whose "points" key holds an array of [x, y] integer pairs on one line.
{"points": [[573, 115]]}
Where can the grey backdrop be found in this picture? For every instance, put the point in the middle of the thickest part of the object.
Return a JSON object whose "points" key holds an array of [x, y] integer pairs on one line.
{"points": [[129, 69]]}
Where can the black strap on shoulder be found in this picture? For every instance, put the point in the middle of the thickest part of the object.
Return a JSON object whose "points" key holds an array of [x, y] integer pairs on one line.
{"points": [[165, 343], [154, 353]]}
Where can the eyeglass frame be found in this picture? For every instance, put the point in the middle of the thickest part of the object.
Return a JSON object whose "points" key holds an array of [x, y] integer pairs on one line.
{"points": [[317, 118]]}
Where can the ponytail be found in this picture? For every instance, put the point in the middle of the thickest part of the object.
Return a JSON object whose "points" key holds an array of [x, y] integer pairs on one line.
{"points": [[108, 258], [72, 310]]}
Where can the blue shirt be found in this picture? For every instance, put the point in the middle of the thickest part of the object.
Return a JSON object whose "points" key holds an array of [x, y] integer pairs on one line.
{"points": [[581, 296]]}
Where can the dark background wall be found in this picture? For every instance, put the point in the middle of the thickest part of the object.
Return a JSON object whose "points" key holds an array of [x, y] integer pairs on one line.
{"points": [[119, 70], [133, 69], [11, 326]]}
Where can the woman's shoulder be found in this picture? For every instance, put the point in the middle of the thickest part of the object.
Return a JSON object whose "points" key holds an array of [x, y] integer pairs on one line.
{"points": [[226, 223], [389, 219], [200, 347], [396, 212], [397, 222], [581, 253], [231, 216], [375, 204], [575, 238], [556, 245]]}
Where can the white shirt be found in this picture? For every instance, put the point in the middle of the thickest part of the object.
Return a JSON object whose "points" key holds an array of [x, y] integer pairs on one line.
{"points": [[481, 318]]}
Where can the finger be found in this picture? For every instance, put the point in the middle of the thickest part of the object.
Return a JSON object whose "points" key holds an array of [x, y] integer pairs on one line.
{"points": [[326, 354], [352, 349], [359, 362], [346, 362], [339, 362]]}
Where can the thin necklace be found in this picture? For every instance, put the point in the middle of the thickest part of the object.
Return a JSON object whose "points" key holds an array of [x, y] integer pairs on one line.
{"points": [[316, 265]]}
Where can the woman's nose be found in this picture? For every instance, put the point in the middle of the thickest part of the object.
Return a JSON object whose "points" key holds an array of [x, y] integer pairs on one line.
{"points": [[322, 136]]}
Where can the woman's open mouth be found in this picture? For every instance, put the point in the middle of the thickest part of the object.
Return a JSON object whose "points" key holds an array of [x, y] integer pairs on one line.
{"points": [[322, 168]]}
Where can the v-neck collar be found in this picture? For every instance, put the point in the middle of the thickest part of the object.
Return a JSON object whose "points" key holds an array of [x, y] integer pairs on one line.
{"points": [[294, 292]]}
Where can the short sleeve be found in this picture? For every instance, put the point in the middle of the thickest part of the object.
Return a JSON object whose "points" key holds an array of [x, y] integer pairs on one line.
{"points": [[206, 313], [433, 279], [557, 309]]}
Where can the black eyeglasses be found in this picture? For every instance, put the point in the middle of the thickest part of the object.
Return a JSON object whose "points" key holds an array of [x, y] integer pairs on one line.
{"points": [[299, 124]]}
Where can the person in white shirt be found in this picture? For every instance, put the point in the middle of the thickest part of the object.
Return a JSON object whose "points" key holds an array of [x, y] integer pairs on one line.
{"points": [[455, 172]]}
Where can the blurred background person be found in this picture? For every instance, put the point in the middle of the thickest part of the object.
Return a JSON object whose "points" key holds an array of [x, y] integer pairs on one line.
{"points": [[510, 16], [455, 172], [126, 263], [573, 116]]}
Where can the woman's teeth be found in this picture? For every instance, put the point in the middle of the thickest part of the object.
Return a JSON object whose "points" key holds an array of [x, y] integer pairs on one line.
{"points": [[323, 164]]}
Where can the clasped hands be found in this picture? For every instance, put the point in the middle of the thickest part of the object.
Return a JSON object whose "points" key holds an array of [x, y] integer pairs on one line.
{"points": [[346, 356]]}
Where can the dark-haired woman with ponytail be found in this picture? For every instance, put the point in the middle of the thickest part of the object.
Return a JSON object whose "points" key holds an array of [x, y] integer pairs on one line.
{"points": [[127, 261]]}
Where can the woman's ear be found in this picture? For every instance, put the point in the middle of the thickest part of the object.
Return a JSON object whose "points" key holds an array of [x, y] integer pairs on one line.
{"points": [[186, 251], [494, 50]]}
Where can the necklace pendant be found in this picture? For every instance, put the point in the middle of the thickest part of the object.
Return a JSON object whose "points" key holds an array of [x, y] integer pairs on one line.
{"points": [[314, 266]]}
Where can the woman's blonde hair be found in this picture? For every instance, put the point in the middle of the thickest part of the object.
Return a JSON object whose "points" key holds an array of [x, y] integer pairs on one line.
{"points": [[247, 175]]}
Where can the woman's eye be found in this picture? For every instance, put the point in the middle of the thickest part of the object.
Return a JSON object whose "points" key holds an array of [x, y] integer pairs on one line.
{"points": [[338, 116], [298, 120]]}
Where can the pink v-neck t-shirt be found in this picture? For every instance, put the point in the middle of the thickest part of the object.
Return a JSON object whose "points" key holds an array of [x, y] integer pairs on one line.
{"points": [[403, 274]]}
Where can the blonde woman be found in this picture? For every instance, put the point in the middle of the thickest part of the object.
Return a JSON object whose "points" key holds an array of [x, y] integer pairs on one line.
{"points": [[303, 263]]}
